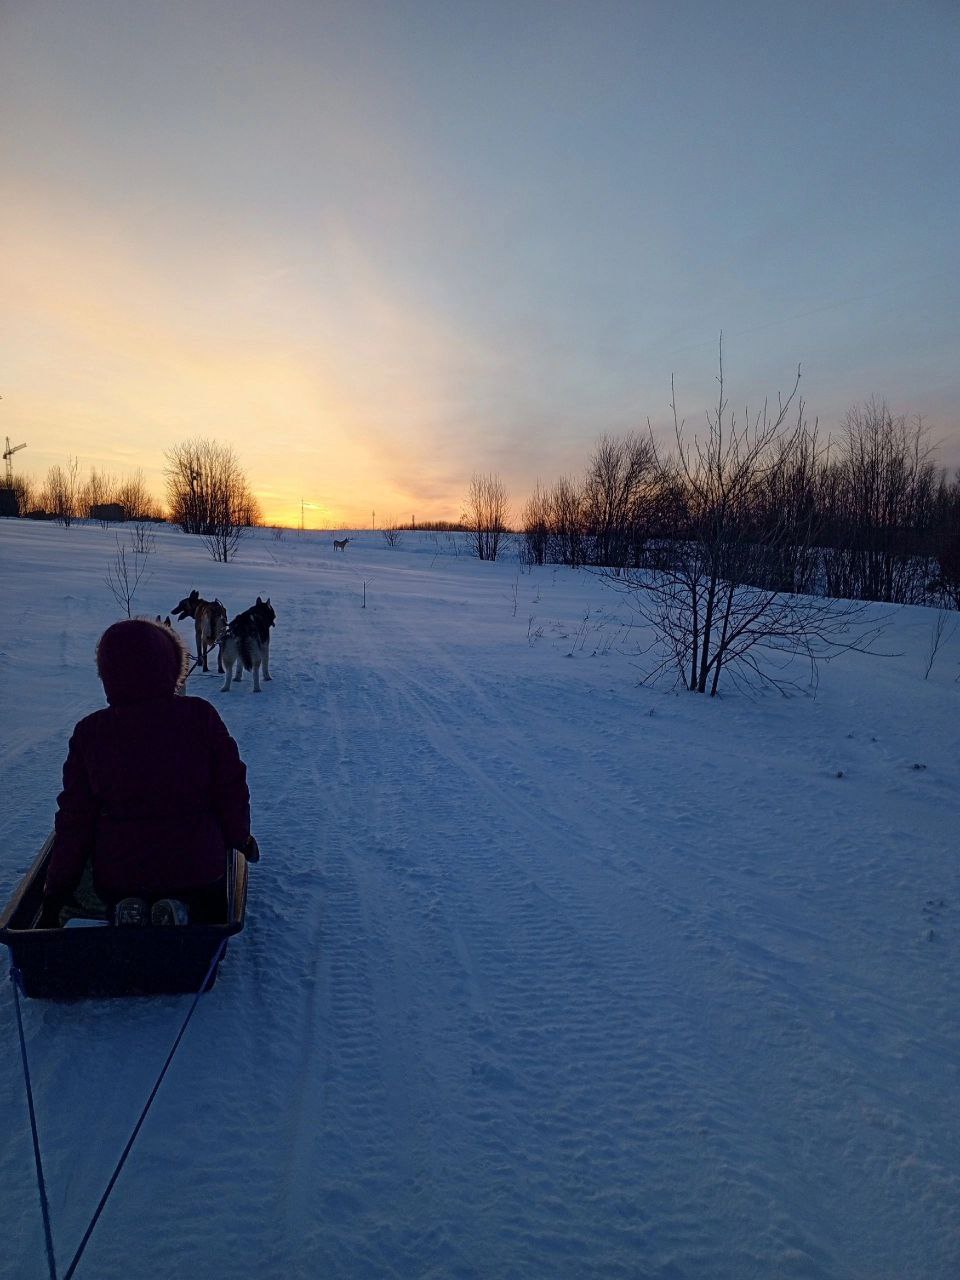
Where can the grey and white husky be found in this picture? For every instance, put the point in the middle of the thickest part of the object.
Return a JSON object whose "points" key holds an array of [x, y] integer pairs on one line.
{"points": [[245, 645]]}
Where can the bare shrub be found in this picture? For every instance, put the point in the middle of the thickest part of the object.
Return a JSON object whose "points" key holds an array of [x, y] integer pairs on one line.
{"points": [[142, 539], [715, 596], [126, 571], [939, 632]]}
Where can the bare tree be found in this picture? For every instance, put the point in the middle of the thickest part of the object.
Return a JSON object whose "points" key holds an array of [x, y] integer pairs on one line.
{"points": [[98, 492], [535, 521], [136, 500], [567, 525], [26, 494], [61, 494], [715, 596], [615, 495], [392, 536], [879, 505], [485, 515], [208, 495]]}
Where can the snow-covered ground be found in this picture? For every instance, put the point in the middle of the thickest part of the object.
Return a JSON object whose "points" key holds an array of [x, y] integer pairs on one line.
{"points": [[544, 975]]}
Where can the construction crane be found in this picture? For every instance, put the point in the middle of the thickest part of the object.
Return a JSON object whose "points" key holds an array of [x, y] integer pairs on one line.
{"points": [[8, 459]]}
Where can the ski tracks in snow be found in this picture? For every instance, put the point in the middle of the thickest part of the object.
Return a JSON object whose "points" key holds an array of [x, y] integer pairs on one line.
{"points": [[533, 984], [471, 1004]]}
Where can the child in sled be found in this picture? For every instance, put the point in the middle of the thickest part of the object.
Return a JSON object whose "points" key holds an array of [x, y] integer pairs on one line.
{"points": [[154, 793]]}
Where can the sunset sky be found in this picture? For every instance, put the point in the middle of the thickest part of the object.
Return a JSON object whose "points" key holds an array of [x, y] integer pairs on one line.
{"points": [[379, 246]]}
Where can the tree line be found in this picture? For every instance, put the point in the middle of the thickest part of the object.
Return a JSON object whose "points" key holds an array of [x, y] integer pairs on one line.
{"points": [[207, 494], [65, 496], [865, 515]]}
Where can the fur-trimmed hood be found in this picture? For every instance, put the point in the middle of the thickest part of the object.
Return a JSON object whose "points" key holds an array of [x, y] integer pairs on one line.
{"points": [[139, 659]]}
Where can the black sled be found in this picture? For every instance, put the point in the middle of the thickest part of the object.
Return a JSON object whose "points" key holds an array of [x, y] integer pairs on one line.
{"points": [[102, 961]]}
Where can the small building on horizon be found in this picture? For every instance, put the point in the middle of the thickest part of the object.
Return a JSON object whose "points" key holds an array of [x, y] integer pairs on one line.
{"points": [[108, 511]]}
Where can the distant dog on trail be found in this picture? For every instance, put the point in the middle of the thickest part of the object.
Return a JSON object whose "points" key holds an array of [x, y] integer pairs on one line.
{"points": [[341, 545], [245, 645], [210, 620]]}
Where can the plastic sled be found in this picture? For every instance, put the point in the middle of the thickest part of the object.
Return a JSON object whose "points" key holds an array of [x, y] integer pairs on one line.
{"points": [[70, 963]]}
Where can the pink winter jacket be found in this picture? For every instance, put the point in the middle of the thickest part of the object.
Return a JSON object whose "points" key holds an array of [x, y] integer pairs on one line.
{"points": [[154, 790]]}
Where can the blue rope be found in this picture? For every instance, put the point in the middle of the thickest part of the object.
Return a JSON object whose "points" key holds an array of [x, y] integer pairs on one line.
{"points": [[44, 1205], [45, 1208], [143, 1115]]}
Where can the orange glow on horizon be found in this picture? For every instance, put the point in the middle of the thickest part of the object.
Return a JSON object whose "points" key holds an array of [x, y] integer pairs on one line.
{"points": [[113, 356]]}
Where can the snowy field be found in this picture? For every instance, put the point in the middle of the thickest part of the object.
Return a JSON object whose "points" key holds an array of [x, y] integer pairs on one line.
{"points": [[545, 974]]}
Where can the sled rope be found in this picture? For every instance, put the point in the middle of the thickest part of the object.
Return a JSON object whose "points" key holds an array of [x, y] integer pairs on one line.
{"points": [[42, 1186], [143, 1115], [75, 1261]]}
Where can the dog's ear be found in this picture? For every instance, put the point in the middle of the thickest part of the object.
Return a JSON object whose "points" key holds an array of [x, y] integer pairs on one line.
{"points": [[167, 622], [194, 595], [259, 601]]}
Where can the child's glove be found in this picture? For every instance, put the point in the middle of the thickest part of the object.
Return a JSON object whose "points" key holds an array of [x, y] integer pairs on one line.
{"points": [[251, 850]]}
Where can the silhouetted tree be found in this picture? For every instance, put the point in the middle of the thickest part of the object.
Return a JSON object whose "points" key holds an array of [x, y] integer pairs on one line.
{"points": [[485, 515], [25, 494], [137, 502], [567, 529], [878, 505], [97, 492], [615, 499], [208, 495], [61, 493], [535, 521]]}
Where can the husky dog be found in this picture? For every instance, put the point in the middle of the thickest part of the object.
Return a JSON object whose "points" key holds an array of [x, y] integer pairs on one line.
{"points": [[210, 620], [341, 545], [181, 689], [246, 644]]}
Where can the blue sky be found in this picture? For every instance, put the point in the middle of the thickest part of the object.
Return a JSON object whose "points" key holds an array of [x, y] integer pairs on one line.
{"points": [[381, 246]]}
